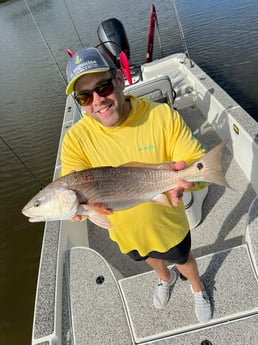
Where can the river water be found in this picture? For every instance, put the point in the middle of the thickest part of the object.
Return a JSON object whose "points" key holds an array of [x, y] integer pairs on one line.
{"points": [[222, 38]]}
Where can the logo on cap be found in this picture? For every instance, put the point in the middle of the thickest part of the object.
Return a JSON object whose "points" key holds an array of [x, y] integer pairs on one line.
{"points": [[77, 60]]}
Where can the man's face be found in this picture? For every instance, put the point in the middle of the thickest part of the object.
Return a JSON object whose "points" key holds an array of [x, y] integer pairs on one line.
{"points": [[109, 110]]}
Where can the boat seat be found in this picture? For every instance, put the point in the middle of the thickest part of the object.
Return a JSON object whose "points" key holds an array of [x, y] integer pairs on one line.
{"points": [[158, 89]]}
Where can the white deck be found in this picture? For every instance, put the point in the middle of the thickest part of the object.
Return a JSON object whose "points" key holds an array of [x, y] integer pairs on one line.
{"points": [[106, 306], [72, 308]]}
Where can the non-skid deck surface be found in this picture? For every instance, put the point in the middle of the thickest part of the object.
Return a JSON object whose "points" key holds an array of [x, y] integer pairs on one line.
{"points": [[96, 310], [229, 280], [236, 332]]}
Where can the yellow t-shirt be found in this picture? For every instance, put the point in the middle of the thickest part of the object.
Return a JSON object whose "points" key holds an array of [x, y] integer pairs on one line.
{"points": [[152, 133]]}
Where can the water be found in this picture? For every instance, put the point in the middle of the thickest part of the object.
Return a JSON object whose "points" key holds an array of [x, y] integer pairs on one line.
{"points": [[222, 38]]}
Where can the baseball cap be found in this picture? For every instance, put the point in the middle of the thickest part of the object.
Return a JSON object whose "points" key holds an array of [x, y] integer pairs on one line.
{"points": [[85, 61]]}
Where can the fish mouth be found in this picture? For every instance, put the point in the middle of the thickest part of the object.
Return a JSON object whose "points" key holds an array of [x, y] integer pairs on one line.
{"points": [[32, 218], [36, 219], [25, 213]]}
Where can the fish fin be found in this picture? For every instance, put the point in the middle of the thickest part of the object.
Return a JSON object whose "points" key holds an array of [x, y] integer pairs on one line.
{"points": [[97, 214], [157, 166], [161, 199], [100, 220], [98, 207], [210, 166]]}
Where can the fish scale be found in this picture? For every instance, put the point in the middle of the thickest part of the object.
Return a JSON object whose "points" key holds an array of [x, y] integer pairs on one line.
{"points": [[97, 192], [122, 185]]}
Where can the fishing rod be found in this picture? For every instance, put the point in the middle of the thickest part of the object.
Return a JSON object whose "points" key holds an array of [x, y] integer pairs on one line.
{"points": [[35, 177], [23, 163], [48, 46], [159, 38], [153, 21], [182, 34], [72, 21], [45, 41]]}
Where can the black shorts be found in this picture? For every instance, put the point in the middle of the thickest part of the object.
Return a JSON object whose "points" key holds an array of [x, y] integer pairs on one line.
{"points": [[176, 255]]}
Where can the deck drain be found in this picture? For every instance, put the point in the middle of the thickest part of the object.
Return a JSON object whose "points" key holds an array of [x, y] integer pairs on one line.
{"points": [[100, 280], [206, 342]]}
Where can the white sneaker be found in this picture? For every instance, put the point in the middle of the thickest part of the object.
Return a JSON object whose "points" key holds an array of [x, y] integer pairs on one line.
{"points": [[202, 305], [163, 291]]}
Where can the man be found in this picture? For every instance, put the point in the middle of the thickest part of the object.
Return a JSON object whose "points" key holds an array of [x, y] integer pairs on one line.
{"points": [[117, 129]]}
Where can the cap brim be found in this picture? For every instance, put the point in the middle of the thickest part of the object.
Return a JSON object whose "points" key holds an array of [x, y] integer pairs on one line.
{"points": [[70, 86]]}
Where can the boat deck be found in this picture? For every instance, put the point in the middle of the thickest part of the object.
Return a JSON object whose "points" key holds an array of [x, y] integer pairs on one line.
{"points": [[224, 210], [223, 260], [90, 293], [107, 311]]}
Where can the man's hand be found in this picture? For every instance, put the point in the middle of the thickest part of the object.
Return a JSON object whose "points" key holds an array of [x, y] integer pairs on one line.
{"points": [[77, 218], [176, 193]]}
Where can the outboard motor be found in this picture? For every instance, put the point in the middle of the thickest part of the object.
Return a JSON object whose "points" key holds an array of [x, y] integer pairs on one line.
{"points": [[113, 38]]}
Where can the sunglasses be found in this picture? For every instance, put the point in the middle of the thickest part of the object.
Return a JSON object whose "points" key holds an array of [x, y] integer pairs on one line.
{"points": [[85, 97]]}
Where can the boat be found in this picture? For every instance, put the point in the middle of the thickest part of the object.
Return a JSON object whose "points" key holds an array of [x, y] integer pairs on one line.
{"points": [[89, 293]]}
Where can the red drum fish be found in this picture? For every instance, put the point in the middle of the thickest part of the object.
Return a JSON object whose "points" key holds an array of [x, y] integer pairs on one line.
{"points": [[97, 192]]}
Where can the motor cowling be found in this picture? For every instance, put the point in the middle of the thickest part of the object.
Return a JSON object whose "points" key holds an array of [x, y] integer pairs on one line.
{"points": [[113, 39]]}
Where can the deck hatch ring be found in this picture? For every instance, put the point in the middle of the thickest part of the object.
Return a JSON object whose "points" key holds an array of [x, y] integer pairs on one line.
{"points": [[206, 342], [100, 280]]}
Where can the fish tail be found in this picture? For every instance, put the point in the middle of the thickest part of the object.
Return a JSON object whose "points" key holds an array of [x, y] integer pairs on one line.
{"points": [[210, 166]]}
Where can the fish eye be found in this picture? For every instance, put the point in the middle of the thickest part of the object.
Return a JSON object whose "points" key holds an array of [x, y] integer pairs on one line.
{"points": [[200, 166], [37, 203]]}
